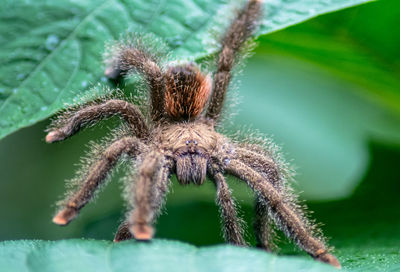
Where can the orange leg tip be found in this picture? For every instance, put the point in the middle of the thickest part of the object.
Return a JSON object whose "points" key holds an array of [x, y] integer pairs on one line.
{"points": [[329, 259], [59, 219], [64, 216], [108, 71], [51, 137], [111, 73], [142, 232]]}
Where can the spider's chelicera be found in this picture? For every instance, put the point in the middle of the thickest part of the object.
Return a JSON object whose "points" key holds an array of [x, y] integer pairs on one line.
{"points": [[179, 137]]}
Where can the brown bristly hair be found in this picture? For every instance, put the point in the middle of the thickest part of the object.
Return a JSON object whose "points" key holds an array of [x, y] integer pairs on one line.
{"points": [[186, 92]]}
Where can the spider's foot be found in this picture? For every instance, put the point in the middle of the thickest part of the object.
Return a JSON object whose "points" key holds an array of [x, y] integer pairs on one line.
{"points": [[54, 136], [112, 73], [264, 247], [123, 234], [119, 239], [64, 216], [142, 232], [328, 258]]}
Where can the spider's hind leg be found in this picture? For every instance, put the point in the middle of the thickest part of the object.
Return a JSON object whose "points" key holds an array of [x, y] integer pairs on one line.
{"points": [[238, 32], [264, 227], [123, 233], [126, 57]]}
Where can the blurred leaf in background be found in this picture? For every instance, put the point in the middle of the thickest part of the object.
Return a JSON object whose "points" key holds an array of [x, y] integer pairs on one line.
{"points": [[327, 90], [346, 95]]}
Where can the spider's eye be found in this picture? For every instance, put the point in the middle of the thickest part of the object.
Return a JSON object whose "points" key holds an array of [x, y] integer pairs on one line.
{"points": [[227, 161], [187, 142], [195, 142]]}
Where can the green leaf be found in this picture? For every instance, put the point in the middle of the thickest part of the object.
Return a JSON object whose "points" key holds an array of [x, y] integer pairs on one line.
{"points": [[50, 51], [159, 255]]}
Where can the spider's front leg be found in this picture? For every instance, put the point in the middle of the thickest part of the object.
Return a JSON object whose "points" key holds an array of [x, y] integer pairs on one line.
{"points": [[71, 123], [96, 175], [232, 225], [148, 197], [285, 214]]}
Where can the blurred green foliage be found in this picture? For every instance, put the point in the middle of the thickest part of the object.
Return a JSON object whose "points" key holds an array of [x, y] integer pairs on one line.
{"points": [[327, 90]]}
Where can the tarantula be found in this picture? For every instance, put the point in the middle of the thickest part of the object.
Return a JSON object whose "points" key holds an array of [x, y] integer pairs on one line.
{"points": [[179, 137]]}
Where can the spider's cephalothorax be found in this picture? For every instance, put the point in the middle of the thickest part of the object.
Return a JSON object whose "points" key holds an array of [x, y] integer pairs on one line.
{"points": [[178, 137], [191, 146]]}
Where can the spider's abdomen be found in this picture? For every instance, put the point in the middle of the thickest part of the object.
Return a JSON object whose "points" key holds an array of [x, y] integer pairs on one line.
{"points": [[186, 92]]}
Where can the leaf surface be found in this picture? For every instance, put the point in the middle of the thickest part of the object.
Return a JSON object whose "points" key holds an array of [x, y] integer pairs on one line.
{"points": [[159, 255], [50, 51]]}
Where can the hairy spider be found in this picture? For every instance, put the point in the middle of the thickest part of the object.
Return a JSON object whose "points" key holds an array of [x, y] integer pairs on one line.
{"points": [[179, 137]]}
